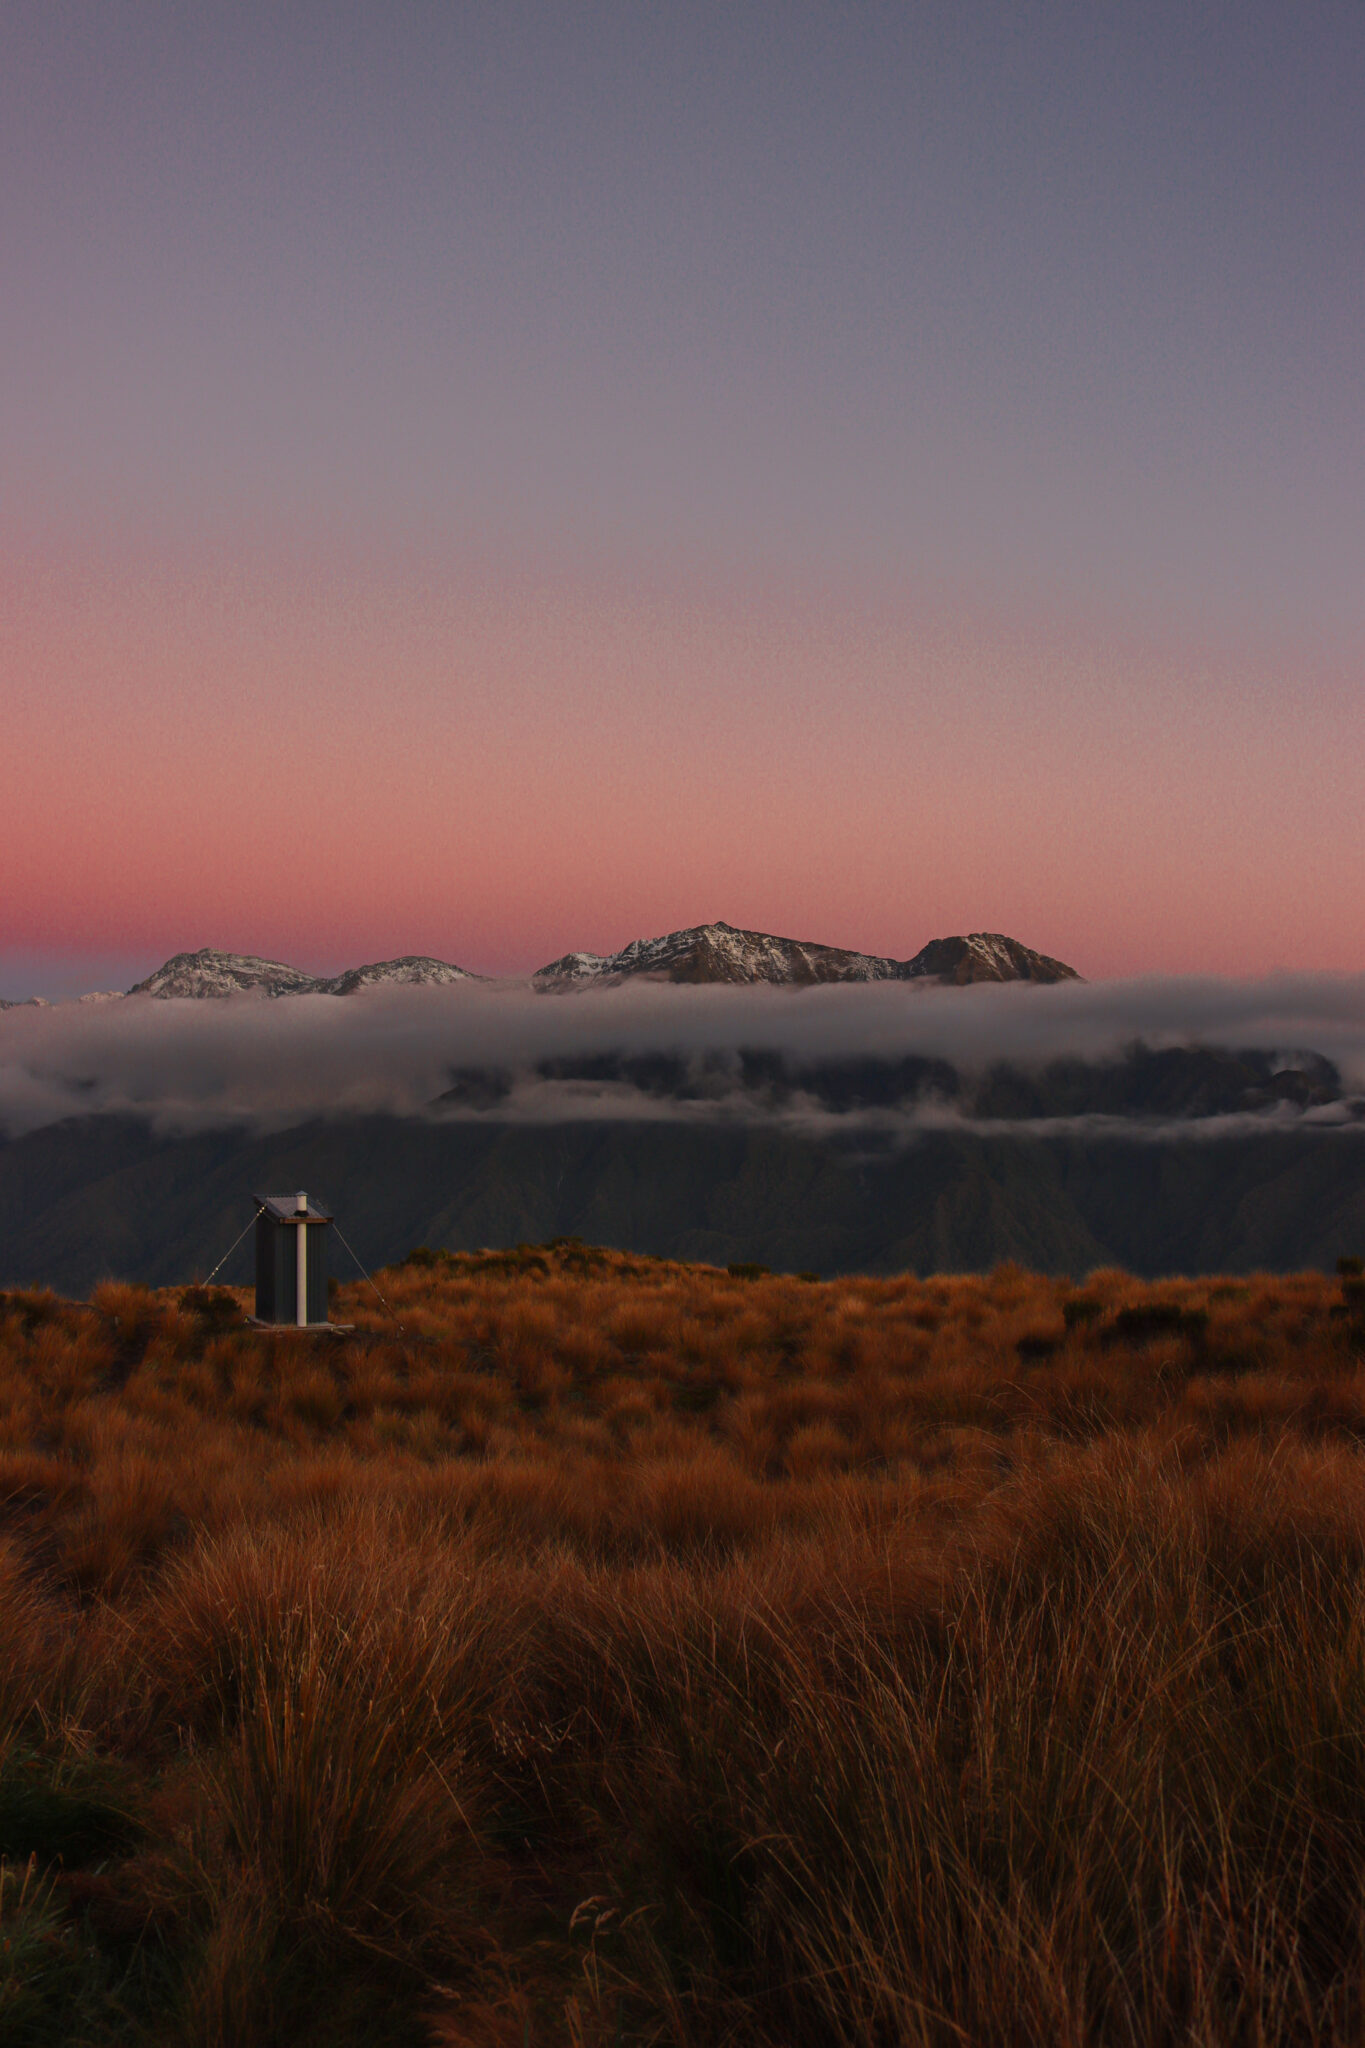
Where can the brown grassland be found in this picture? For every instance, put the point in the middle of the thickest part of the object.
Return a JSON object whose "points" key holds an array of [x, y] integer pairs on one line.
{"points": [[601, 1650]]}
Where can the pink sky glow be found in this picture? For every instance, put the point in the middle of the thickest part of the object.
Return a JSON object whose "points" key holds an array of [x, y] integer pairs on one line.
{"points": [[496, 767]]}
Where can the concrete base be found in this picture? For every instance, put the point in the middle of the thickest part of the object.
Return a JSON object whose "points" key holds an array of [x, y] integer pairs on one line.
{"points": [[304, 1329]]}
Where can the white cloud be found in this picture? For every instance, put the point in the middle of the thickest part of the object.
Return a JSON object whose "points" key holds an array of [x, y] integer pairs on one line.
{"points": [[393, 1049]]}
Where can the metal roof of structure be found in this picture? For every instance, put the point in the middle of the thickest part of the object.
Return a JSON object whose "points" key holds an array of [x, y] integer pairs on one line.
{"points": [[284, 1208]]}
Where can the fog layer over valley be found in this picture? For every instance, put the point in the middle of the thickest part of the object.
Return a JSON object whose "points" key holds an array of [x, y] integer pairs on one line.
{"points": [[1290, 1047]]}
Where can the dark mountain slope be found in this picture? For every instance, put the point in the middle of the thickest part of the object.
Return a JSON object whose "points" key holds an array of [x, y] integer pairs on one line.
{"points": [[105, 1196]]}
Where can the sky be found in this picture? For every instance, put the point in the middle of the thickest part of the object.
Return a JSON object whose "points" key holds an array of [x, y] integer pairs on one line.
{"points": [[491, 480]]}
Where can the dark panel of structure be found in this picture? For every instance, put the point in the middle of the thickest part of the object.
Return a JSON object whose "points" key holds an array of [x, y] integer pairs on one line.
{"points": [[277, 1229]]}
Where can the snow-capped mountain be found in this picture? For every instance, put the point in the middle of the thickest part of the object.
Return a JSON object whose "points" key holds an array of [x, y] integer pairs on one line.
{"points": [[412, 967], [207, 973], [982, 956], [710, 953], [720, 953]]}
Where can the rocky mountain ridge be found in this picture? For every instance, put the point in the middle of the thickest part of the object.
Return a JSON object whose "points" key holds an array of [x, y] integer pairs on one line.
{"points": [[701, 954]]}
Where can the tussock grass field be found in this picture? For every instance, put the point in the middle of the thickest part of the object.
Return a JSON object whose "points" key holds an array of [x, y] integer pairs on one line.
{"points": [[599, 1650]]}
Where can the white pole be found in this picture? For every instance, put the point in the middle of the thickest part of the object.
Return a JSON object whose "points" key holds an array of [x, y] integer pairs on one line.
{"points": [[301, 1262]]}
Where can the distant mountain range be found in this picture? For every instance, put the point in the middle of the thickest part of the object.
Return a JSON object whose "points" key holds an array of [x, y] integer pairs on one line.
{"points": [[706, 953]]}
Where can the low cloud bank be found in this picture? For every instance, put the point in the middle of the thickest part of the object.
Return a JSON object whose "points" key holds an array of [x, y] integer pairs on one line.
{"points": [[252, 1062]]}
